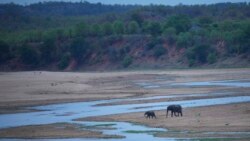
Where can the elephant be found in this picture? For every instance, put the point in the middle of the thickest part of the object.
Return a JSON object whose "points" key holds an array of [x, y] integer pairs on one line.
{"points": [[175, 109], [149, 114]]}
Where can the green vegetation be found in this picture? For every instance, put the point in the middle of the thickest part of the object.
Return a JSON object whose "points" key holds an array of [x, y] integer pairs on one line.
{"points": [[127, 61], [44, 34]]}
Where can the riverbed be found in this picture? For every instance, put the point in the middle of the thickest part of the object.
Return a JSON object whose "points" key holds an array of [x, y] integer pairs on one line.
{"points": [[134, 100]]}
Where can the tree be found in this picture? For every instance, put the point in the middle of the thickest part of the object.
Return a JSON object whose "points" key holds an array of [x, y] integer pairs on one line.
{"points": [[159, 50], [4, 52], [199, 53], [153, 43], [79, 49], [48, 51], [133, 27], [127, 60], [153, 28], [245, 40], [64, 61], [170, 34], [184, 40], [211, 58], [135, 16], [181, 23], [95, 30], [81, 29], [204, 21], [107, 29], [29, 55], [118, 27]]}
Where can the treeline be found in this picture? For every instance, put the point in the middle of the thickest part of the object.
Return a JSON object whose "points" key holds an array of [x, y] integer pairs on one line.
{"points": [[201, 34]]}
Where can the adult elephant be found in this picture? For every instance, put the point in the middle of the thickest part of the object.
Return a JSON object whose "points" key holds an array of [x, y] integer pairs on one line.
{"points": [[149, 114], [175, 109]]}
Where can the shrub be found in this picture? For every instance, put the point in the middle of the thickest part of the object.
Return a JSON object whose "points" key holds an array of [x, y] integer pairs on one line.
{"points": [[29, 55], [4, 52], [181, 23], [184, 40], [79, 49], [170, 34], [64, 61], [127, 60], [133, 27], [118, 27], [153, 28], [199, 53], [153, 43], [211, 58], [159, 50]]}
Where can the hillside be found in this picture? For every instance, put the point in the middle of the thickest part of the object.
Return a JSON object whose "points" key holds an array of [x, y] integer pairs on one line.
{"points": [[85, 36]]}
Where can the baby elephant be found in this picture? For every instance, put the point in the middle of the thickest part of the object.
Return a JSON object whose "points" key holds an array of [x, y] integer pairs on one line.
{"points": [[149, 114], [175, 109]]}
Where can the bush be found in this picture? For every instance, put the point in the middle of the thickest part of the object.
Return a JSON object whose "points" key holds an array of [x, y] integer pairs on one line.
{"points": [[64, 61], [184, 40], [153, 28], [113, 54], [48, 51], [170, 34], [199, 53], [29, 55], [79, 49], [4, 52], [181, 23], [159, 50], [153, 43], [127, 61], [211, 58], [133, 27], [118, 27]]}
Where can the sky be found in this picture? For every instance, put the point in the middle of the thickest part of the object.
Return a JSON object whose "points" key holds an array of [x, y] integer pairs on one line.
{"points": [[141, 2]]}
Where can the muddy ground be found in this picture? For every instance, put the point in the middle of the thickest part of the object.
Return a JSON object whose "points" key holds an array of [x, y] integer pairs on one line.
{"points": [[21, 89]]}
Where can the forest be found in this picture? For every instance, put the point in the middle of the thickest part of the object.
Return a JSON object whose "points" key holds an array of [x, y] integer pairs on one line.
{"points": [[86, 36]]}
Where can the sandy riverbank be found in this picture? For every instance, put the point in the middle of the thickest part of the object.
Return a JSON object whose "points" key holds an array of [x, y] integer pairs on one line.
{"points": [[20, 89], [223, 118]]}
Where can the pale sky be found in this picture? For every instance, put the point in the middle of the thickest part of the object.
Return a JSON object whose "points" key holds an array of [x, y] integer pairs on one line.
{"points": [[143, 2]]}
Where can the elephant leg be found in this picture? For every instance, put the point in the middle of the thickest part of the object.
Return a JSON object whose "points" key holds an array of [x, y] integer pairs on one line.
{"points": [[171, 113]]}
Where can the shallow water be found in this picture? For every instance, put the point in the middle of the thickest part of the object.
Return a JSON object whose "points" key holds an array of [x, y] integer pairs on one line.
{"points": [[162, 84], [67, 112], [229, 83]]}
